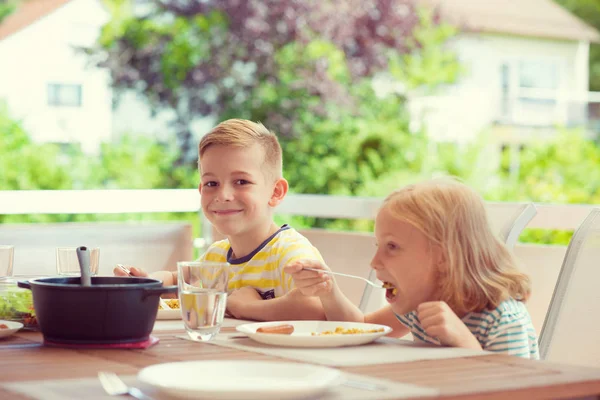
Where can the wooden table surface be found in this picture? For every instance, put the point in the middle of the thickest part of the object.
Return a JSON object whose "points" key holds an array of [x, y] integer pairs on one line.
{"points": [[24, 358]]}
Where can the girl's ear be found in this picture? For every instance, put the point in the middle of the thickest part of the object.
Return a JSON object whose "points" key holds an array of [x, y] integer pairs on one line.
{"points": [[439, 258], [279, 192]]}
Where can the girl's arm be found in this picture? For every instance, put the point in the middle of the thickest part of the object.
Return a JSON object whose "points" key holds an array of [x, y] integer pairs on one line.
{"points": [[385, 316], [338, 307]]}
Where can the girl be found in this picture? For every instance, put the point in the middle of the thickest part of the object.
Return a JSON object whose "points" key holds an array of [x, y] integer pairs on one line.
{"points": [[449, 280]]}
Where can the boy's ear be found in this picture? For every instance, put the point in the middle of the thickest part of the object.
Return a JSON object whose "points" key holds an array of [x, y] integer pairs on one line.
{"points": [[279, 192], [200, 187]]}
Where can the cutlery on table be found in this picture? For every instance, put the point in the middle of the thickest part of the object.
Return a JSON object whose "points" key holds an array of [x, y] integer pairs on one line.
{"points": [[114, 386], [124, 269], [375, 285]]}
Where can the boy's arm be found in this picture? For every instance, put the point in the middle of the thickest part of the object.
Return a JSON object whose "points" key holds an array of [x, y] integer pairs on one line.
{"points": [[168, 278], [246, 303]]}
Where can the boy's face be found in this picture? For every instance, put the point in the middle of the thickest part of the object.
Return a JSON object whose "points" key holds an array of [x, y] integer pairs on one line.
{"points": [[405, 259], [236, 194]]}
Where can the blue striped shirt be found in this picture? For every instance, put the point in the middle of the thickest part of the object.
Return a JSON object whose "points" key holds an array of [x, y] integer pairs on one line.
{"points": [[507, 329]]}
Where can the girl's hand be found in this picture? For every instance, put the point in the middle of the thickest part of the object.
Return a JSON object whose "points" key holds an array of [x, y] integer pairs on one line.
{"points": [[439, 321], [310, 283]]}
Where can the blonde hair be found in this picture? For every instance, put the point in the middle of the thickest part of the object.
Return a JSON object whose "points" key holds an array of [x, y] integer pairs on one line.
{"points": [[244, 133], [480, 272]]}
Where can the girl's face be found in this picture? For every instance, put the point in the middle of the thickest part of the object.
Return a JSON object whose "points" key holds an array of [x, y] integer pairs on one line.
{"points": [[406, 261]]}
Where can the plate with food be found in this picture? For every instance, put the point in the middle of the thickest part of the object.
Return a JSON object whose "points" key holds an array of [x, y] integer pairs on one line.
{"points": [[7, 328], [172, 312], [313, 333]]}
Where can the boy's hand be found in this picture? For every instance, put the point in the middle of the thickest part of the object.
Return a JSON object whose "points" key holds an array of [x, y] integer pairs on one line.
{"points": [[439, 321], [133, 272], [240, 298], [310, 283]]}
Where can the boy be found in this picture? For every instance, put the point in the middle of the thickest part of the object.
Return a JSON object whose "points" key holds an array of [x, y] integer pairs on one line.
{"points": [[240, 163]]}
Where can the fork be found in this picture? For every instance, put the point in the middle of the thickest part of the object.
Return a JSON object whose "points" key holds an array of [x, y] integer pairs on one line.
{"points": [[114, 386], [375, 285]]}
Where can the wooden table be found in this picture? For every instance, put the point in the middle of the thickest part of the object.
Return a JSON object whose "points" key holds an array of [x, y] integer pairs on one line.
{"points": [[24, 358]]}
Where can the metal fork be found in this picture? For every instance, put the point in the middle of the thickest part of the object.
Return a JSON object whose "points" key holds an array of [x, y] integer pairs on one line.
{"points": [[114, 386], [375, 285]]}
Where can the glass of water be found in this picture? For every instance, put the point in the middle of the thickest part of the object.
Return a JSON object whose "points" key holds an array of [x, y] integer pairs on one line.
{"points": [[67, 263], [202, 297], [7, 254]]}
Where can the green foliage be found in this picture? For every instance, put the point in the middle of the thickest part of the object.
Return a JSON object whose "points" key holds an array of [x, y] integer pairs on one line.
{"points": [[429, 63], [588, 11], [132, 162], [7, 7]]}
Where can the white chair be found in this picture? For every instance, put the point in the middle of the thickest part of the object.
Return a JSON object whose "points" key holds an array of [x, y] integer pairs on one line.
{"points": [[346, 252], [509, 219], [151, 245], [572, 324]]}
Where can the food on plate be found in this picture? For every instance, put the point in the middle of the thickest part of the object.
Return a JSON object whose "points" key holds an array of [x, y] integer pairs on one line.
{"points": [[285, 329], [172, 303], [347, 331], [3, 326]]}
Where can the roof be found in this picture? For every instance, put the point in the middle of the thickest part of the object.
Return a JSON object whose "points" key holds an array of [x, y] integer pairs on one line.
{"points": [[535, 18], [27, 13]]}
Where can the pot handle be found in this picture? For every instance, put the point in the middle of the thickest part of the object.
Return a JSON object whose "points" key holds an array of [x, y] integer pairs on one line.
{"points": [[157, 291], [24, 284]]}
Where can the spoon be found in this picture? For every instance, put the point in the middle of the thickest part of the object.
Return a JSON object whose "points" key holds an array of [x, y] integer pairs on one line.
{"points": [[83, 255], [163, 304], [375, 285]]}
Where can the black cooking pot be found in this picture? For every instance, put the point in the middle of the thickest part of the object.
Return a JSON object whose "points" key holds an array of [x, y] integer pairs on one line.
{"points": [[112, 310]]}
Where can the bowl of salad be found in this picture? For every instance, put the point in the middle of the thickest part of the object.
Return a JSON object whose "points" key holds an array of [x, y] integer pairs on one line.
{"points": [[16, 304]]}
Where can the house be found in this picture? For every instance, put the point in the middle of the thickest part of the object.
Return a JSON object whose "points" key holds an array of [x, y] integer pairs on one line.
{"points": [[56, 91], [525, 71], [45, 82], [525, 62]]}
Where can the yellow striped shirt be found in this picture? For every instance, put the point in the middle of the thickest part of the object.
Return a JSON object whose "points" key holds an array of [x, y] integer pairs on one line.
{"points": [[263, 268]]}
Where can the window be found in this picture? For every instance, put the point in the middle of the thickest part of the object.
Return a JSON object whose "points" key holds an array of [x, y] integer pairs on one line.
{"points": [[538, 75], [64, 95]]}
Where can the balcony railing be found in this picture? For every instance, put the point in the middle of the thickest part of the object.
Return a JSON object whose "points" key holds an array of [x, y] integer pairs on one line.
{"points": [[549, 216]]}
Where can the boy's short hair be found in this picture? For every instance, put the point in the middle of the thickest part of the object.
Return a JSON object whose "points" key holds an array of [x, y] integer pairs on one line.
{"points": [[245, 133]]}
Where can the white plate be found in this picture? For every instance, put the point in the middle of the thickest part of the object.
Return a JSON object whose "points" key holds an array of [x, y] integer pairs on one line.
{"points": [[237, 379], [12, 328], [171, 313], [302, 336]]}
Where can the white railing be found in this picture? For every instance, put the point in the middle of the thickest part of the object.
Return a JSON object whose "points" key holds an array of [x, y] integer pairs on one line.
{"points": [[549, 216]]}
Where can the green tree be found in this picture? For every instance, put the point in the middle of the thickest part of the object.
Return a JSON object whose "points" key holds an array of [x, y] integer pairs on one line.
{"points": [[7, 7], [588, 11], [226, 57]]}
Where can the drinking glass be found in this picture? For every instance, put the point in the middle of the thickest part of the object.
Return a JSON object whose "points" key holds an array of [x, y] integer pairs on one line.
{"points": [[67, 263], [202, 297], [6, 260]]}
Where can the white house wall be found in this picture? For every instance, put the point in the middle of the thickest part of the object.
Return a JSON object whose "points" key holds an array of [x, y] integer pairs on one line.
{"points": [[42, 53], [461, 111]]}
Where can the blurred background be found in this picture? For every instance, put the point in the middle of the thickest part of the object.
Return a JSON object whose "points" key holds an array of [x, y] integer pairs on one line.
{"points": [[365, 96]]}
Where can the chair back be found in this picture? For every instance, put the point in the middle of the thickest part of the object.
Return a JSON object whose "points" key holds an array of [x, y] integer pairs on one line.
{"points": [[346, 252], [572, 323], [153, 246], [509, 219]]}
